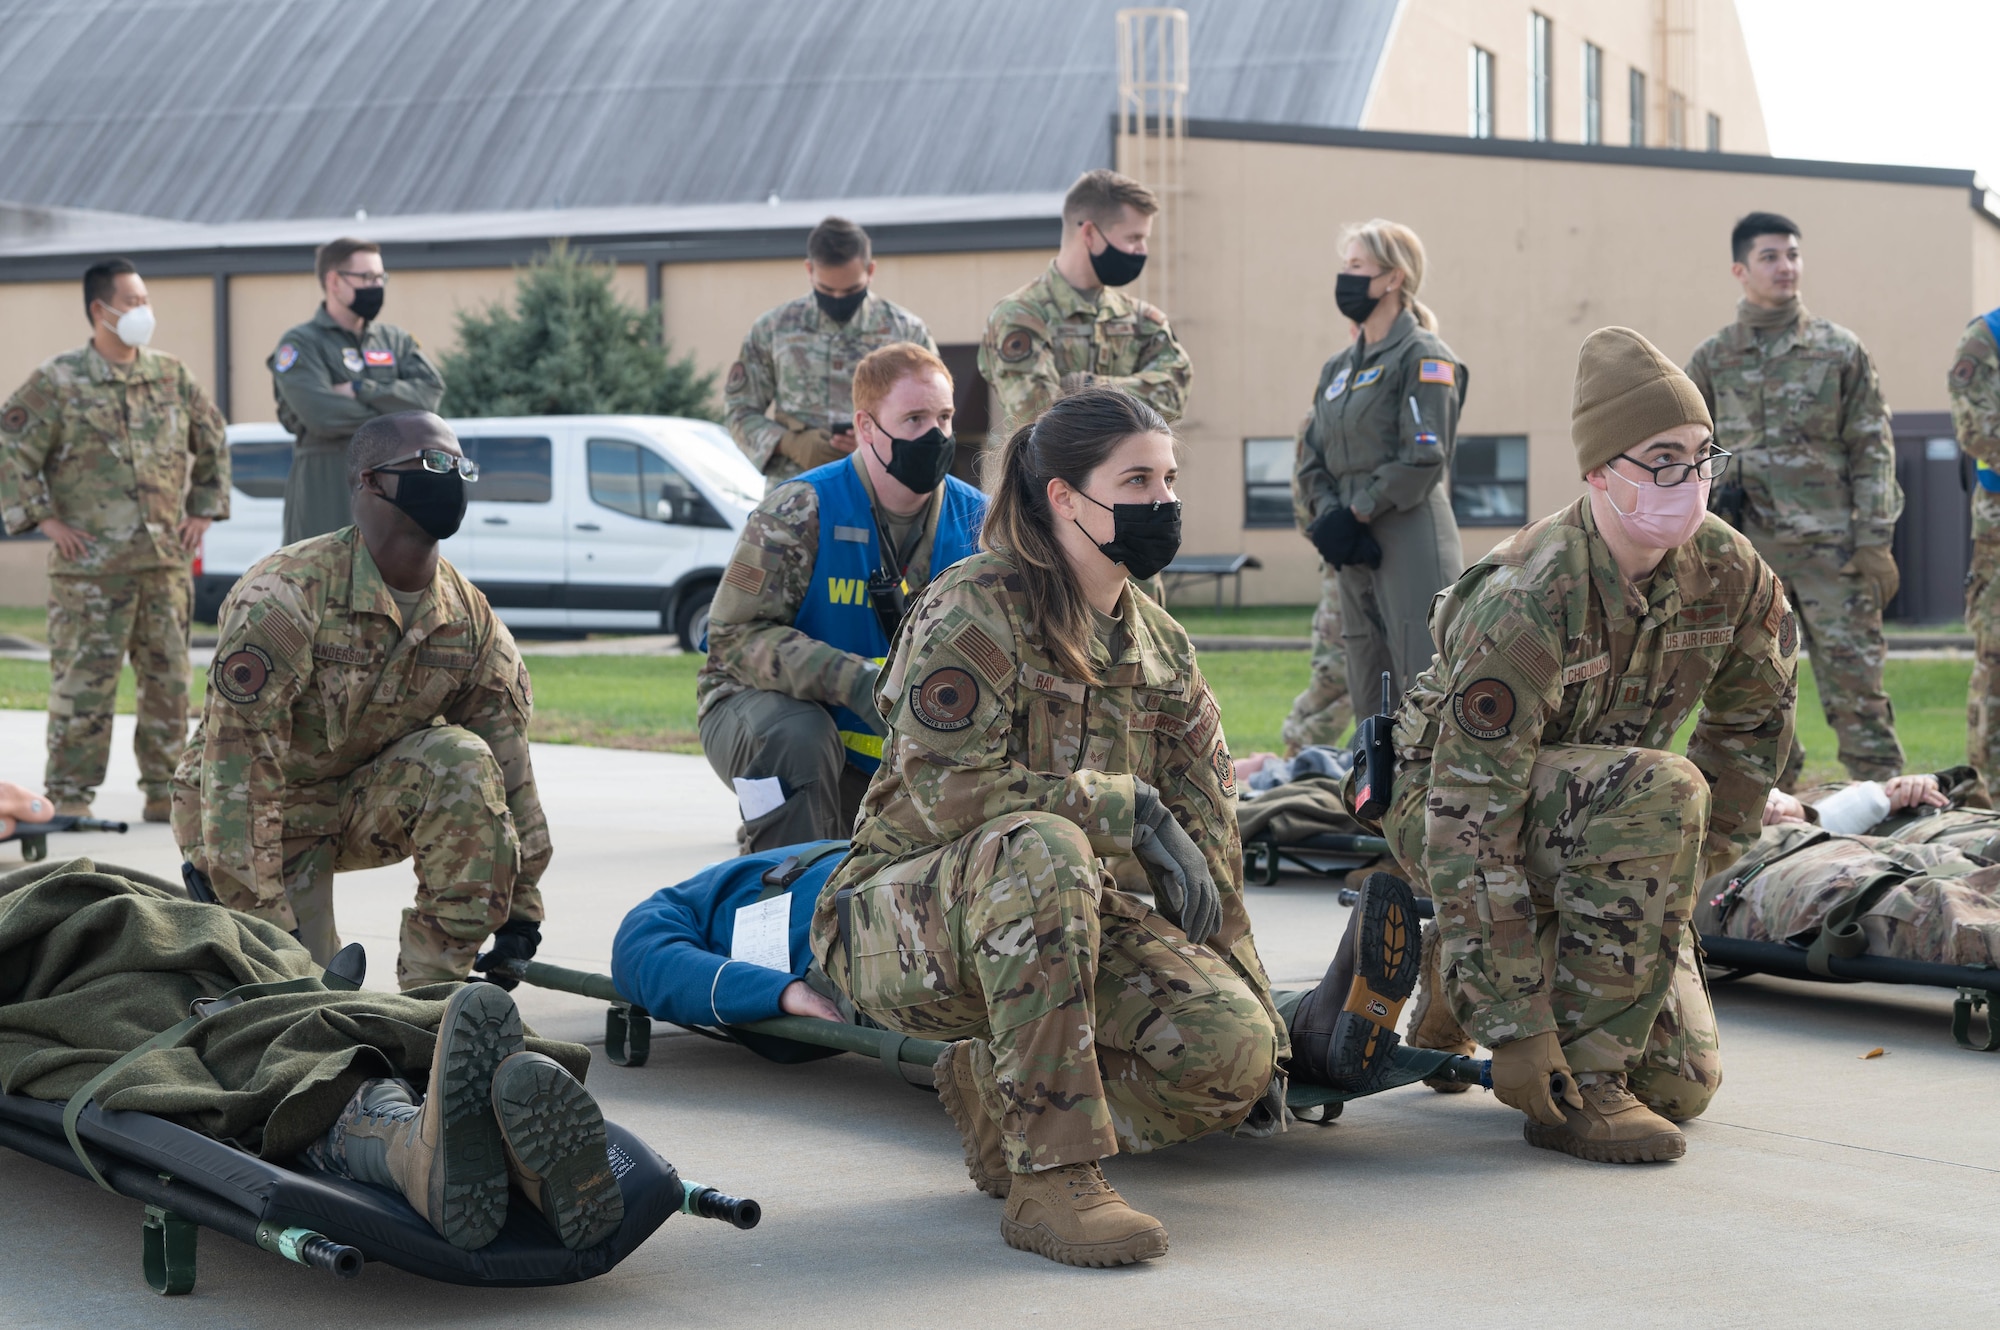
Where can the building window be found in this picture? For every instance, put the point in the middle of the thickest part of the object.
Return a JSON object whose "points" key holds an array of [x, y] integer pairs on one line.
{"points": [[1636, 88], [1593, 93], [1541, 92], [1714, 132], [1267, 482], [1677, 120], [1489, 480], [1480, 94]]}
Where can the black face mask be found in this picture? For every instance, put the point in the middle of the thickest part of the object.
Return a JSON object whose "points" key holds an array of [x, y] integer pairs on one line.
{"points": [[918, 464], [839, 308], [1117, 267], [1350, 293], [435, 503], [1144, 536], [366, 302]]}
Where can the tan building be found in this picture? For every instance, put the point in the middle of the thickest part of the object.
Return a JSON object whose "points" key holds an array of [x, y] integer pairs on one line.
{"points": [[1531, 243]]}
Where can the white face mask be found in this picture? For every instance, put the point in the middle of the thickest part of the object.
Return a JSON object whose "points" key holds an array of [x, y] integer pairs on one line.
{"points": [[135, 326]]}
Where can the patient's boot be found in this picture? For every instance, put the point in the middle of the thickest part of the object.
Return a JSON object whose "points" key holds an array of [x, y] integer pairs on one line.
{"points": [[1071, 1214], [978, 1133], [1612, 1127], [556, 1154], [1431, 1023], [1344, 1031], [445, 1156]]}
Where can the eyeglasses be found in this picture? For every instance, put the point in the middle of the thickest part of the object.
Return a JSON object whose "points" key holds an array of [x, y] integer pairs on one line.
{"points": [[364, 278], [1673, 473], [438, 462]]}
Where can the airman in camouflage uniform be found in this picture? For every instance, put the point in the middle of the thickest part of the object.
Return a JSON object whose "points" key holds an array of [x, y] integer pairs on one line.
{"points": [[791, 390], [344, 731], [1974, 385], [1322, 713], [1796, 399], [124, 454], [1049, 337], [1536, 795], [977, 903]]}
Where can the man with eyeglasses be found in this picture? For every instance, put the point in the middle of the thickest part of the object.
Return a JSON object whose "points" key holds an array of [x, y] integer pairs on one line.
{"points": [[1796, 399], [335, 373], [1538, 797], [788, 399], [114, 453], [320, 748]]}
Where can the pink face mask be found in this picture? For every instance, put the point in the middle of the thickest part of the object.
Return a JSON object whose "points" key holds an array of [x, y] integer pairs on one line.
{"points": [[1663, 516]]}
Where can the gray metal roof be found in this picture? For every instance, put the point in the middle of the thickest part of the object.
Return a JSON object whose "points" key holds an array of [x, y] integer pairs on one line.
{"points": [[246, 110]]}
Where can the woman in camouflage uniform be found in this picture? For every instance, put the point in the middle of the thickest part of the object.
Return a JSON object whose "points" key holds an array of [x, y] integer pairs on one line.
{"points": [[1045, 724]]}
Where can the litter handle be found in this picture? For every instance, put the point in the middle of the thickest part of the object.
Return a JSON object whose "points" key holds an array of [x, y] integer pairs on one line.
{"points": [[56, 824], [706, 1202]]}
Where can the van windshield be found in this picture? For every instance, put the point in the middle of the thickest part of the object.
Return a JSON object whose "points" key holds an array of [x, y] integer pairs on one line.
{"points": [[713, 457]]}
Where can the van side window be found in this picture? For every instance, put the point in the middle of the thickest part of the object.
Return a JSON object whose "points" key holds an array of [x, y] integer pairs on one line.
{"points": [[638, 482], [511, 470], [259, 469]]}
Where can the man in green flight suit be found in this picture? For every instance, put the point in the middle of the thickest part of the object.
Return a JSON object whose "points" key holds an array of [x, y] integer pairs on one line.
{"points": [[335, 373]]}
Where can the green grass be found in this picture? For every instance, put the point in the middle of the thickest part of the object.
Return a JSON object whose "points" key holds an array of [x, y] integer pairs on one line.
{"points": [[32, 623], [1251, 621], [648, 702]]}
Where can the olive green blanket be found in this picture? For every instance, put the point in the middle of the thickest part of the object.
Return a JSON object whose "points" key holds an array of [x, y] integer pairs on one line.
{"points": [[93, 963]]}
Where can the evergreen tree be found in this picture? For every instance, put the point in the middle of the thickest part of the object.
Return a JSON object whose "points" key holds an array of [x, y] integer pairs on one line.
{"points": [[569, 346]]}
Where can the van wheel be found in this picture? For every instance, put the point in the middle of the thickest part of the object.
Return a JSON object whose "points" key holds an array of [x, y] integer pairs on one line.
{"points": [[691, 618]]}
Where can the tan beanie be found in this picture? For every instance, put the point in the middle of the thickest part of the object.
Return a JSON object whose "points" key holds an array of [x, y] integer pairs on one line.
{"points": [[1626, 392]]}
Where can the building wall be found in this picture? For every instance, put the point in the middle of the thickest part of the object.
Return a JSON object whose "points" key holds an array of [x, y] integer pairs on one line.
{"points": [[1422, 85], [1526, 256], [42, 319]]}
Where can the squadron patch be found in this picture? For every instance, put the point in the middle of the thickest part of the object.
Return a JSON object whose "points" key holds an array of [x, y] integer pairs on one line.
{"points": [[945, 699], [1338, 386], [1485, 709], [288, 356], [242, 675], [1225, 770], [1962, 372], [1788, 634], [738, 376], [383, 357], [524, 683], [15, 420], [1017, 345], [350, 356]]}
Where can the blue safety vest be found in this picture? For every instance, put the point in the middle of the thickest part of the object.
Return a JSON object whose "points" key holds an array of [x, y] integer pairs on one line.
{"points": [[1987, 478], [837, 610]]}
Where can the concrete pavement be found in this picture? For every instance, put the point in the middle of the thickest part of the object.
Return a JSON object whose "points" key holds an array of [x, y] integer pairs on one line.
{"points": [[1824, 1188]]}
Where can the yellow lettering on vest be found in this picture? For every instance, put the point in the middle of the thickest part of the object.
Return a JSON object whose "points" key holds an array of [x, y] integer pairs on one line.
{"points": [[847, 590]]}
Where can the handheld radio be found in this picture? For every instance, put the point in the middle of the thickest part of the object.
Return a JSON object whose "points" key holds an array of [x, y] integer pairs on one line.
{"points": [[1375, 760]]}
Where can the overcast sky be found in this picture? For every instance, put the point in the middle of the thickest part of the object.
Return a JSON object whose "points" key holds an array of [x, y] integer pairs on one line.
{"points": [[1915, 82]]}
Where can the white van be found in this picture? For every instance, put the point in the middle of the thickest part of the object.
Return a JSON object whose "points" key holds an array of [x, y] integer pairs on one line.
{"points": [[577, 522]]}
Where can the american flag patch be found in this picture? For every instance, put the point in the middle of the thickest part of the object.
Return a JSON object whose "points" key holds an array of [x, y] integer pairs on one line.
{"points": [[744, 578], [1436, 371]]}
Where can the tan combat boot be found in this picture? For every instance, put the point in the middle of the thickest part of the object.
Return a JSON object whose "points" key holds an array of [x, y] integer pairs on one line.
{"points": [[446, 1157], [556, 1151], [978, 1133], [73, 808], [1612, 1128], [158, 808], [1431, 1023], [1071, 1214]]}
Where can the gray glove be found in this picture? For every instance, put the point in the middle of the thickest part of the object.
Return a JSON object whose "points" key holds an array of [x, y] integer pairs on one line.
{"points": [[1180, 876], [861, 700]]}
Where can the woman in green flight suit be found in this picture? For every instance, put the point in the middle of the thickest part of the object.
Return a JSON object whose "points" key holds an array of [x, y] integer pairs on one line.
{"points": [[1374, 461]]}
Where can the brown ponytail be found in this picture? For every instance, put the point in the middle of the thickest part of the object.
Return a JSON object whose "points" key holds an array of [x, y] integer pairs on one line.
{"points": [[1070, 440]]}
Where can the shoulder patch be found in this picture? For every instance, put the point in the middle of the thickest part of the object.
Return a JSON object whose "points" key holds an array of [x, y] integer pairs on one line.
{"points": [[242, 675], [945, 699], [379, 357], [1788, 634], [282, 632], [744, 577], [350, 356], [1225, 770], [1533, 658], [287, 356], [1962, 372], [738, 376], [15, 420], [524, 683], [1437, 371], [1017, 346], [986, 656], [1338, 384], [1485, 709], [1780, 607]]}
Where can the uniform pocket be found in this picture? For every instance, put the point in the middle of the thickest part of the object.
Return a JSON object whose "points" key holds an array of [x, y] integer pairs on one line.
{"points": [[900, 950]]}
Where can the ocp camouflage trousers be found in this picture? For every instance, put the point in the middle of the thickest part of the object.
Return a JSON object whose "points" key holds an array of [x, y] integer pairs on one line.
{"points": [[1842, 626], [436, 796], [94, 623], [1982, 703], [1102, 1027], [1320, 715], [1612, 843]]}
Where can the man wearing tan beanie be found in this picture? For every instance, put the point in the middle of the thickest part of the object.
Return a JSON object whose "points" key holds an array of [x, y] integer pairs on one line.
{"points": [[1536, 797]]}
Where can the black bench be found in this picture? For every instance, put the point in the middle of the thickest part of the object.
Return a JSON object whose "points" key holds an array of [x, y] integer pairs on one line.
{"points": [[1218, 566]]}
